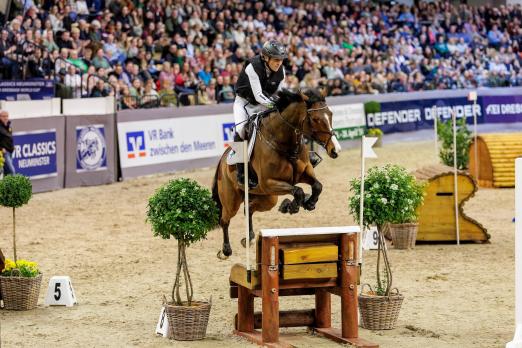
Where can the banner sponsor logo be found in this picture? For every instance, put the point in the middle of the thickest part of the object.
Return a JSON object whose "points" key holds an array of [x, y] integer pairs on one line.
{"points": [[36, 89], [35, 153], [174, 139], [228, 133], [418, 114], [136, 144], [502, 108], [348, 121], [91, 148]]}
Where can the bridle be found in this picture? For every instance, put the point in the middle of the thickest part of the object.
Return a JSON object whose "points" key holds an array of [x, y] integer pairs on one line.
{"points": [[299, 133]]}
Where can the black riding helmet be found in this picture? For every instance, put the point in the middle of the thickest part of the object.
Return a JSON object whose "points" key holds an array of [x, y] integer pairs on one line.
{"points": [[274, 49]]}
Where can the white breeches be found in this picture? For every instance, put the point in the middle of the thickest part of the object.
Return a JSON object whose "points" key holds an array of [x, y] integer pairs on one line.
{"points": [[241, 115]]}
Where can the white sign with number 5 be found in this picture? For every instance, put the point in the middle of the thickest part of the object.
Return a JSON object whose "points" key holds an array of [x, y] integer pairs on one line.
{"points": [[60, 292]]}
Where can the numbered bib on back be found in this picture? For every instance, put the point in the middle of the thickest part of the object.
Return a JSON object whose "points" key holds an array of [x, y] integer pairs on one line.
{"points": [[60, 292]]}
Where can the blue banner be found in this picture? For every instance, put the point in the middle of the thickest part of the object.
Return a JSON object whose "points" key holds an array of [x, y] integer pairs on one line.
{"points": [[35, 153], [411, 115], [502, 108], [26, 89]]}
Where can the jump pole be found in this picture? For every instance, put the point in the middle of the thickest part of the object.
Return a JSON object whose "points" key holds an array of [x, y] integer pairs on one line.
{"points": [[247, 210], [472, 96], [455, 175], [517, 339]]}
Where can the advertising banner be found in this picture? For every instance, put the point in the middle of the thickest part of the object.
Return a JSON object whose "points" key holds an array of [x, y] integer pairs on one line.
{"points": [[171, 140], [411, 115], [35, 153], [348, 121], [500, 108], [36, 89], [91, 150], [39, 151]]}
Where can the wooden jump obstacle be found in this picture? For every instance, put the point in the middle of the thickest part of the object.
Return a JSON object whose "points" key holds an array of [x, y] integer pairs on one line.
{"points": [[295, 262], [496, 159], [437, 214]]}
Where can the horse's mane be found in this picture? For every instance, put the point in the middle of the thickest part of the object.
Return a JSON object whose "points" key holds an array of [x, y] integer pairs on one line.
{"points": [[287, 97]]}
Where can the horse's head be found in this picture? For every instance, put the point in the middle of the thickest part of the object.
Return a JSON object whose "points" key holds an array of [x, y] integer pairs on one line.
{"points": [[320, 125]]}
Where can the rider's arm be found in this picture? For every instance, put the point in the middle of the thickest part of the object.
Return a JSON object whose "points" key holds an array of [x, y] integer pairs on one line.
{"points": [[255, 84], [282, 84]]}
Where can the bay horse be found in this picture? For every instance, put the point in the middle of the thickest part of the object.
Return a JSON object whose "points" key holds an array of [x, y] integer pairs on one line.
{"points": [[280, 159]]}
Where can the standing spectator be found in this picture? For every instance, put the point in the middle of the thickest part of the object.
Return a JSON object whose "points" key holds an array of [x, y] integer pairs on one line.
{"points": [[6, 142]]}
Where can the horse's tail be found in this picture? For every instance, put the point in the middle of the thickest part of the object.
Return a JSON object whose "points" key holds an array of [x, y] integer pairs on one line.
{"points": [[215, 192]]}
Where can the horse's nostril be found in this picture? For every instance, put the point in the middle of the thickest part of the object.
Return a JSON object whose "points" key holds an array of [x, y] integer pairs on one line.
{"points": [[334, 154]]}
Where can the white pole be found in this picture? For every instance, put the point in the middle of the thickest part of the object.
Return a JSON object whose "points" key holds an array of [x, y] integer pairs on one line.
{"points": [[435, 118], [517, 339], [456, 188], [475, 139], [247, 209], [361, 206]]}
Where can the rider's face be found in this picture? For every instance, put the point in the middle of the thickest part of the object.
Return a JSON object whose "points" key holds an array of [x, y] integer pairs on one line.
{"points": [[274, 64]]}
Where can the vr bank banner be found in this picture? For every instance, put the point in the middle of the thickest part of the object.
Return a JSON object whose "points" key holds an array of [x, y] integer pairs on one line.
{"points": [[411, 115], [158, 141]]}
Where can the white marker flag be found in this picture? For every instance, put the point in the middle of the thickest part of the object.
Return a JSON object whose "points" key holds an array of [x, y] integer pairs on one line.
{"points": [[236, 155], [368, 143]]}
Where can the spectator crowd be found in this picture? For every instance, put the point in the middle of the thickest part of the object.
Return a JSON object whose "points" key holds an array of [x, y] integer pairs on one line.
{"points": [[189, 51]]}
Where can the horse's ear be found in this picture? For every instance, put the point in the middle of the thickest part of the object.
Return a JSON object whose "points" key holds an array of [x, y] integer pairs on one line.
{"points": [[323, 92], [304, 96]]}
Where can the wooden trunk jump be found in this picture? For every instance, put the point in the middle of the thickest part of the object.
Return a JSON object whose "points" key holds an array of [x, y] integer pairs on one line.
{"points": [[328, 260]]}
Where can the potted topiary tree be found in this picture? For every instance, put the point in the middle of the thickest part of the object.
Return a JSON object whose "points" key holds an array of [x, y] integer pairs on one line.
{"points": [[185, 211], [20, 280], [391, 196]]}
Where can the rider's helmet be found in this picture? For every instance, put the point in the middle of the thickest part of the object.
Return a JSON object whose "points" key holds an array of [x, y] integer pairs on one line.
{"points": [[274, 49]]}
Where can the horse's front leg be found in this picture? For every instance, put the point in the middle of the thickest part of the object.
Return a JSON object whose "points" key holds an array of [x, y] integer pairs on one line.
{"points": [[309, 178], [280, 188]]}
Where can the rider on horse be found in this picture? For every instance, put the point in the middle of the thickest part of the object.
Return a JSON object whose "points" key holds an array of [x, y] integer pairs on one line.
{"points": [[257, 84]]}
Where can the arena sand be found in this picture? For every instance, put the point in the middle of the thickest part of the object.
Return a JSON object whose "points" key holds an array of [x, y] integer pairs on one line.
{"points": [[454, 296]]}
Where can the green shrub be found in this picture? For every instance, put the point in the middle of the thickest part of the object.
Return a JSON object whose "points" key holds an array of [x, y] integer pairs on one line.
{"points": [[15, 191], [184, 210], [464, 137], [390, 195]]}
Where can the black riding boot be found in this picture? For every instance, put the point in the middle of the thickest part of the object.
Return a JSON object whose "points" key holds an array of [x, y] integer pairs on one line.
{"points": [[240, 167]]}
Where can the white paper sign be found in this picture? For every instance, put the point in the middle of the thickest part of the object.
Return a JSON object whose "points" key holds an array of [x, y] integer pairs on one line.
{"points": [[60, 292], [371, 239], [162, 328]]}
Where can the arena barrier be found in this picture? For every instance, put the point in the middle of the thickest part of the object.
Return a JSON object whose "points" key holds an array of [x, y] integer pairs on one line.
{"points": [[90, 156], [39, 137]]}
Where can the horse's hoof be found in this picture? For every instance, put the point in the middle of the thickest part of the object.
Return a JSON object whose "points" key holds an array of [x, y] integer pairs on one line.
{"points": [[285, 206], [293, 209], [243, 242], [221, 256], [308, 205]]}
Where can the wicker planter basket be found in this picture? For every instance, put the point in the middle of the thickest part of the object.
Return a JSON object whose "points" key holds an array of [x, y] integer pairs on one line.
{"points": [[379, 312], [188, 323], [20, 293], [403, 235]]}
